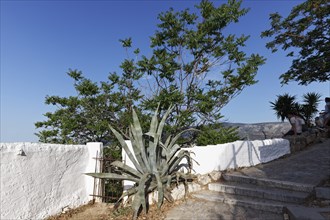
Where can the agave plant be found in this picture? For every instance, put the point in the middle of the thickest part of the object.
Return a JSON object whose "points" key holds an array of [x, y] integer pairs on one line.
{"points": [[157, 164]]}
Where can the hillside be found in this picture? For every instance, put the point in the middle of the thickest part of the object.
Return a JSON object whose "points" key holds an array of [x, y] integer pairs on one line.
{"points": [[261, 131]]}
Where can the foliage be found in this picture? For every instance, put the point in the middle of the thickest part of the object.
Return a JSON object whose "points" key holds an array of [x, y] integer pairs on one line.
{"points": [[113, 189], [194, 65], [305, 33], [85, 117], [216, 134], [156, 162], [285, 104], [309, 106]]}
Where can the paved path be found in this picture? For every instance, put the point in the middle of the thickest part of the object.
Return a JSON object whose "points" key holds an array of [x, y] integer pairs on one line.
{"points": [[310, 166]]}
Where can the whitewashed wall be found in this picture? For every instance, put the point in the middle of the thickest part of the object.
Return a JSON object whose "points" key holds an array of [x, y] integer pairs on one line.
{"points": [[230, 155], [237, 154], [39, 180]]}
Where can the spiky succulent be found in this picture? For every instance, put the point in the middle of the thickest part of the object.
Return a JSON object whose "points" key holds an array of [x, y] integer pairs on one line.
{"points": [[157, 164]]}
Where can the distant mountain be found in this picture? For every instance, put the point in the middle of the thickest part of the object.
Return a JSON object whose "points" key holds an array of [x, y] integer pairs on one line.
{"points": [[261, 131]]}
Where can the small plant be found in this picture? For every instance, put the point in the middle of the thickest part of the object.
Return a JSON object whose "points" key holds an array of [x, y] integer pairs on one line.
{"points": [[156, 163]]}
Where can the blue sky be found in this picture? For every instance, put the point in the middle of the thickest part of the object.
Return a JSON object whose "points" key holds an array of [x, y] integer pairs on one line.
{"points": [[41, 40]]}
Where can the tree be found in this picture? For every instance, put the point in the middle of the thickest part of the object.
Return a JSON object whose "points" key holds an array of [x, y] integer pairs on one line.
{"points": [[86, 117], [194, 66], [310, 103], [305, 33], [285, 104]]}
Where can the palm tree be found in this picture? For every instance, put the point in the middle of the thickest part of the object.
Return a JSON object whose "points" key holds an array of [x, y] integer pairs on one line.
{"points": [[283, 105], [309, 107], [286, 103]]}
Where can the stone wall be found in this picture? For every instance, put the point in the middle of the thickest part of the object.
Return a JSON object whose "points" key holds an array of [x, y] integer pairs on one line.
{"points": [[39, 180], [306, 139]]}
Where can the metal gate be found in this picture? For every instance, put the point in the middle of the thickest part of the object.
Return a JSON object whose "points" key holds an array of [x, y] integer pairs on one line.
{"points": [[106, 190]]}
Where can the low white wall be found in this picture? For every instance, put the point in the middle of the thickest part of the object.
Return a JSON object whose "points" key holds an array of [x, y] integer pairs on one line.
{"points": [[39, 180], [230, 155], [237, 154]]}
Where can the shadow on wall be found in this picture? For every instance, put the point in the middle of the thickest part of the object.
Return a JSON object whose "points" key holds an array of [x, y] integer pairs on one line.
{"points": [[250, 153]]}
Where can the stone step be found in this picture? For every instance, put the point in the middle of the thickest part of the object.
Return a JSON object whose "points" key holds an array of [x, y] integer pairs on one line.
{"points": [[269, 183], [261, 192], [244, 201]]}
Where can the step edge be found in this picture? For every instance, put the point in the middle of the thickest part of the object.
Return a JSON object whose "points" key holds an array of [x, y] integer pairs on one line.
{"points": [[299, 187]]}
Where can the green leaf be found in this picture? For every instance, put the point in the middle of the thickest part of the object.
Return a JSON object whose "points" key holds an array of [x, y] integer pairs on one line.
{"points": [[126, 168], [113, 176], [128, 152]]}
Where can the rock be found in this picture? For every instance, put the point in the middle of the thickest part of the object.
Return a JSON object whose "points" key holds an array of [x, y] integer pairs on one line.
{"points": [[215, 175], [203, 179], [179, 191]]}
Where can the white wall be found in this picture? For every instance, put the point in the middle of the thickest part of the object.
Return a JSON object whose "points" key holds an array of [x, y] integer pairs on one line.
{"points": [[230, 155], [237, 154], [39, 180]]}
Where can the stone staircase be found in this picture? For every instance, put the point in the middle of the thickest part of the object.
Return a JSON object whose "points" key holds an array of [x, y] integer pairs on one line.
{"points": [[260, 194]]}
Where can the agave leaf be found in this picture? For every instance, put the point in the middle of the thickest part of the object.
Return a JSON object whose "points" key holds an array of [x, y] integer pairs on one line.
{"points": [[155, 143], [128, 192], [167, 142], [160, 190], [176, 137], [113, 176], [164, 168], [152, 157], [140, 196], [138, 135], [174, 162], [168, 195], [153, 123], [137, 151], [173, 151], [128, 152], [162, 122], [126, 168]]}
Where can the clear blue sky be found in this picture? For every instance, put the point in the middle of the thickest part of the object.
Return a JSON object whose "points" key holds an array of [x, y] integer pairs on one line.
{"points": [[41, 40]]}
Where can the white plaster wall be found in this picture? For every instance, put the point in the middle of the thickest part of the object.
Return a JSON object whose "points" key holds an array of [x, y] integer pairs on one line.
{"points": [[39, 180], [230, 155], [237, 154]]}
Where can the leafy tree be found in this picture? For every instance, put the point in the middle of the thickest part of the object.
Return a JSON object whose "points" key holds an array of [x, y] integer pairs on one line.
{"points": [[305, 33], [86, 117], [194, 66]]}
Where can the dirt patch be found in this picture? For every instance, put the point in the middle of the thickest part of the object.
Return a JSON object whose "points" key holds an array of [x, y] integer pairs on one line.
{"points": [[105, 211], [89, 211]]}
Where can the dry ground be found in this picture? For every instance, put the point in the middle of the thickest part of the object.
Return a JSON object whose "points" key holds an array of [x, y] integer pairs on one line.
{"points": [[104, 211]]}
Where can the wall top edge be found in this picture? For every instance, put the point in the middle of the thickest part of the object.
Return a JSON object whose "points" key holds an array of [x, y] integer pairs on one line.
{"points": [[33, 146]]}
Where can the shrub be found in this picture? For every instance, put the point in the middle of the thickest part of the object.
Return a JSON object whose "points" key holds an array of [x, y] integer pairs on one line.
{"points": [[216, 134]]}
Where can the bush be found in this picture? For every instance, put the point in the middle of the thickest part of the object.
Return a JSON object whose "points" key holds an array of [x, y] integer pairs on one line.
{"points": [[216, 134]]}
